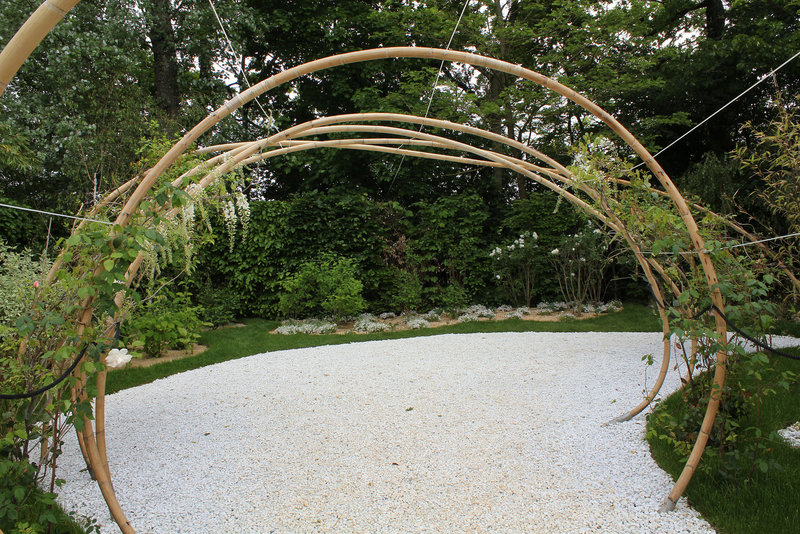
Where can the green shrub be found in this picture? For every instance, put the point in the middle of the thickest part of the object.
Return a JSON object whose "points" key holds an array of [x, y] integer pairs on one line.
{"points": [[406, 291], [167, 321], [20, 228], [18, 272], [326, 285], [451, 298], [446, 246], [220, 305]]}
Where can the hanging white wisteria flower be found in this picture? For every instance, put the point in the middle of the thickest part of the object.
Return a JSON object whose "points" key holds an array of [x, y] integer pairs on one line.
{"points": [[118, 358], [243, 211], [188, 214], [229, 214]]}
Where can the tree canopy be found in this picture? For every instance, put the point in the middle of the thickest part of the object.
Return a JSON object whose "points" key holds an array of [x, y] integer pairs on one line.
{"points": [[114, 74]]}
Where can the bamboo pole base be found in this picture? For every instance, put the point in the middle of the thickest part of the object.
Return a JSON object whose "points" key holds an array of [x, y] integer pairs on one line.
{"points": [[621, 419], [667, 506]]}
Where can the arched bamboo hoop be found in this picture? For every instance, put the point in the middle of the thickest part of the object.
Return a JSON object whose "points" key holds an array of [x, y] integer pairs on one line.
{"points": [[475, 60], [37, 28]]}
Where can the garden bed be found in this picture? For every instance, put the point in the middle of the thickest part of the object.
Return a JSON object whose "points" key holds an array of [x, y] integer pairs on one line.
{"points": [[368, 323]]}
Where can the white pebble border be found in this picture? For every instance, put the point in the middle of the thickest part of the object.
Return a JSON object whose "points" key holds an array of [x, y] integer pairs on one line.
{"points": [[450, 433]]}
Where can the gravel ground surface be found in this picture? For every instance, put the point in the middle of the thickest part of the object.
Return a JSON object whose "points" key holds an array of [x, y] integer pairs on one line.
{"points": [[451, 433]]}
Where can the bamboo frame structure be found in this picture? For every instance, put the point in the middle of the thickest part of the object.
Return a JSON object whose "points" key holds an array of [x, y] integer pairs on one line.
{"points": [[551, 175], [28, 37]]}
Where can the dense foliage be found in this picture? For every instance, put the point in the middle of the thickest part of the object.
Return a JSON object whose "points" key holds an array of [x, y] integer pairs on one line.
{"points": [[324, 232]]}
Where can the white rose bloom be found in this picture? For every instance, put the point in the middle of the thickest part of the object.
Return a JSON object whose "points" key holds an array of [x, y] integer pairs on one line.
{"points": [[117, 357]]}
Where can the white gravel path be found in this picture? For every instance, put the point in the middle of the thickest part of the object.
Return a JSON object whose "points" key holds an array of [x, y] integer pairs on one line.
{"points": [[451, 433]]}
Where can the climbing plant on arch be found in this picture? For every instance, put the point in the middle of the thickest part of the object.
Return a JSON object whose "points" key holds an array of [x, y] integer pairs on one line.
{"points": [[103, 261]]}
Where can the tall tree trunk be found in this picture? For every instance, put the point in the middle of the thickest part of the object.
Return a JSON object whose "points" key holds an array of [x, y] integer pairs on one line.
{"points": [[497, 83], [715, 19], [165, 56]]}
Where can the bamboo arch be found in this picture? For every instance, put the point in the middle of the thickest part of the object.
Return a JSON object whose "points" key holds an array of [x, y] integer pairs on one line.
{"points": [[552, 175]]}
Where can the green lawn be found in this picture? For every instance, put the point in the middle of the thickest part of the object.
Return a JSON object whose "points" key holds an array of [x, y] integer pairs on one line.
{"points": [[769, 502]]}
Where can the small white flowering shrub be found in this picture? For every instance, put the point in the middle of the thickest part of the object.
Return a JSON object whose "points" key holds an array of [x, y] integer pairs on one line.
{"points": [[518, 313], [515, 266], [433, 315], [367, 323], [417, 323], [580, 263], [307, 326], [479, 310], [473, 313]]}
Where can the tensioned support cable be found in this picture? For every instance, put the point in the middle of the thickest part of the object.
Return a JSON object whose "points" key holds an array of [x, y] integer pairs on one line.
{"points": [[433, 89], [267, 116], [53, 214], [764, 77]]}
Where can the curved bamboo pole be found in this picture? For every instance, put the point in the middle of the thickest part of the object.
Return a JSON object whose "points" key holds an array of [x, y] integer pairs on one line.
{"points": [[365, 55], [28, 37]]}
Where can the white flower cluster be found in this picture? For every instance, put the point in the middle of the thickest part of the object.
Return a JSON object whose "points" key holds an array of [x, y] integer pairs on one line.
{"points": [[791, 434], [467, 318], [367, 323], [473, 313], [551, 306], [229, 214], [188, 214], [417, 323], [518, 243], [612, 306], [519, 312], [307, 326], [480, 310], [243, 210], [432, 315], [387, 315]]}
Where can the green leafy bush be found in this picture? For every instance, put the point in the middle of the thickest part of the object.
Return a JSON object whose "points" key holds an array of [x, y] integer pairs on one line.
{"points": [[326, 285], [219, 305], [446, 248], [18, 272], [406, 291], [167, 321], [516, 265]]}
